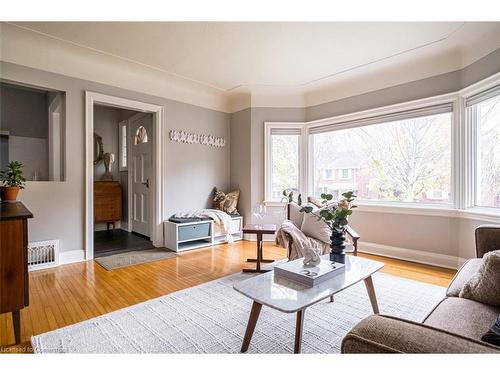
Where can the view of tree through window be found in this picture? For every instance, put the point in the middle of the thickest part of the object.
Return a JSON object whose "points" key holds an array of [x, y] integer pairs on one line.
{"points": [[285, 164], [405, 161], [488, 123]]}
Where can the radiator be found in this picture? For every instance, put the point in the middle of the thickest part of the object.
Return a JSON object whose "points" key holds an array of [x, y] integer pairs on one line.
{"points": [[43, 254]]}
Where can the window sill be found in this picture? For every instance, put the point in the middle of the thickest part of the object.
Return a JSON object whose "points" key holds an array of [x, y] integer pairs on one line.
{"points": [[481, 213], [476, 213], [407, 209], [274, 204]]}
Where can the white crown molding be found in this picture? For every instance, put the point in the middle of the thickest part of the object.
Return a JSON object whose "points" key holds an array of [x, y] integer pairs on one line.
{"points": [[35, 50]]}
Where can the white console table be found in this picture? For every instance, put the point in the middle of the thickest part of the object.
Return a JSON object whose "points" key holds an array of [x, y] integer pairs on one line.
{"points": [[194, 235]]}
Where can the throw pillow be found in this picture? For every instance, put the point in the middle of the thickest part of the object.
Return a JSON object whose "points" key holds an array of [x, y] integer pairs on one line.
{"points": [[296, 216], [484, 286], [226, 202], [315, 228], [493, 335]]}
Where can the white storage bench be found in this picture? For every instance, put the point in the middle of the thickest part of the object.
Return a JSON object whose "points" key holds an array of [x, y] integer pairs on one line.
{"points": [[197, 234]]}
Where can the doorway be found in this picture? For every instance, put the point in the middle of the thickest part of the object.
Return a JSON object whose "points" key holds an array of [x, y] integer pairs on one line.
{"points": [[123, 192], [122, 168]]}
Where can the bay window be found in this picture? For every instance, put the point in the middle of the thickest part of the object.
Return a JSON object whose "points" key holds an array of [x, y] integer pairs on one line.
{"points": [[407, 160], [484, 115], [440, 153], [283, 153]]}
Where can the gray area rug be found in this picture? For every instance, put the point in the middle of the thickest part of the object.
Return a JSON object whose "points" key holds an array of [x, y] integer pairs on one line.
{"points": [[212, 317], [132, 258]]}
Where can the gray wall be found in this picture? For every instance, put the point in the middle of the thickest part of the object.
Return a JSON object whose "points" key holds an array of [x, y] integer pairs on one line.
{"points": [[259, 116], [241, 159], [24, 112], [106, 121], [191, 171]]}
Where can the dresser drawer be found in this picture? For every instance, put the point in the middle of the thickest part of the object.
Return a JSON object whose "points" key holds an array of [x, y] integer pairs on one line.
{"points": [[189, 232]]}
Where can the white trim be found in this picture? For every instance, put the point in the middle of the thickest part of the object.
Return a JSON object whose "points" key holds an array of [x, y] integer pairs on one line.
{"points": [[71, 256], [303, 152], [470, 162], [406, 209], [92, 98], [400, 107], [121, 125], [418, 256]]}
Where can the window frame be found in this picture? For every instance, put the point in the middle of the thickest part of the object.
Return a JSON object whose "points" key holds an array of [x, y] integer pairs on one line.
{"points": [[268, 126], [470, 148], [341, 174], [123, 126], [463, 189]]}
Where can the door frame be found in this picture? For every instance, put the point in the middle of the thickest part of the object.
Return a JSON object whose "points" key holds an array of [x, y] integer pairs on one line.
{"points": [[91, 99]]}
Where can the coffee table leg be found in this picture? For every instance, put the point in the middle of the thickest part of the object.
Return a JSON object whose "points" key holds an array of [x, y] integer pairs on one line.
{"points": [[299, 325], [371, 293], [252, 321]]}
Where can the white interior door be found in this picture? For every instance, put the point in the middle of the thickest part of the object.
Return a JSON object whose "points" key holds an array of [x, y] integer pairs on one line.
{"points": [[140, 135]]}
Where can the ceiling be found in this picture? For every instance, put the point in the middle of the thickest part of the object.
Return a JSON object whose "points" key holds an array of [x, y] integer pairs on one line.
{"points": [[228, 56]]}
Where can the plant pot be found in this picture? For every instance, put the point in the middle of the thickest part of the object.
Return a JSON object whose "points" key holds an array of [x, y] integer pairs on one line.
{"points": [[337, 245], [9, 193]]}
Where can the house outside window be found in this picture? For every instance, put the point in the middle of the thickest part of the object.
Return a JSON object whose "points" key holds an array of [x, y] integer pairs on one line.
{"points": [[345, 174]]}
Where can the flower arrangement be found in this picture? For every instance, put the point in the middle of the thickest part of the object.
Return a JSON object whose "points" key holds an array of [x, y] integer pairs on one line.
{"points": [[334, 214]]}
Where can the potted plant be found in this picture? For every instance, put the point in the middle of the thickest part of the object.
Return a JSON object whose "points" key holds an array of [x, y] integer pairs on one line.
{"points": [[13, 180], [336, 216]]}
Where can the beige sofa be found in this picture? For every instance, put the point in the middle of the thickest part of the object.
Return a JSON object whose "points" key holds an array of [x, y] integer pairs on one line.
{"points": [[455, 325]]}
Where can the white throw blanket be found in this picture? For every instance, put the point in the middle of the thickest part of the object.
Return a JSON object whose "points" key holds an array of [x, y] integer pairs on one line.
{"points": [[220, 218], [293, 239]]}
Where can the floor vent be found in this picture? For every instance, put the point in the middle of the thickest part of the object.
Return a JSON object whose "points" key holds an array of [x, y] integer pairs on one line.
{"points": [[43, 254]]}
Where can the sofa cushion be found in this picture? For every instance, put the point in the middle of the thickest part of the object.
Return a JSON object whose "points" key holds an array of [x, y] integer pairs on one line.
{"points": [[493, 335], [463, 275], [296, 216], [463, 316], [484, 286], [384, 334], [314, 227]]}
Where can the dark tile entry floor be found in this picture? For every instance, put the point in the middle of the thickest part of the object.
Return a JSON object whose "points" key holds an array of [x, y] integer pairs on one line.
{"points": [[116, 241]]}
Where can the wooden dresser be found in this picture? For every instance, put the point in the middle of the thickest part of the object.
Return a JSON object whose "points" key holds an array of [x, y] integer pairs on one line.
{"points": [[14, 280], [107, 202]]}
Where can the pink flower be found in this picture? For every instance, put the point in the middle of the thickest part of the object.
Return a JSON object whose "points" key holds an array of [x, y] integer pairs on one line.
{"points": [[343, 203]]}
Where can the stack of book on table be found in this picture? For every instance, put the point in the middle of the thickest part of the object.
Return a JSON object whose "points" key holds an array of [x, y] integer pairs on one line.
{"points": [[310, 276]]}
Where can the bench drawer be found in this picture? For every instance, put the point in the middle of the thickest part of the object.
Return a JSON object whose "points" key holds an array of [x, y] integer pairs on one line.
{"points": [[192, 231]]}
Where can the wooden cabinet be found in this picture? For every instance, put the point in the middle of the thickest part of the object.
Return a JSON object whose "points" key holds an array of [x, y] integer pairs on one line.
{"points": [[14, 280], [107, 202]]}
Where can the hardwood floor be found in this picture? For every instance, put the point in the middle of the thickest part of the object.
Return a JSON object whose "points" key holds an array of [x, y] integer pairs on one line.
{"points": [[71, 293]]}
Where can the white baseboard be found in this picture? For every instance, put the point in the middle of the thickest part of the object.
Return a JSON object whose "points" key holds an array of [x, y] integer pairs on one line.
{"points": [[411, 255], [72, 256], [418, 256]]}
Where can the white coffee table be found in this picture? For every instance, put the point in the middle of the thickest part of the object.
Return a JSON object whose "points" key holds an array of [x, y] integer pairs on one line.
{"points": [[291, 297]]}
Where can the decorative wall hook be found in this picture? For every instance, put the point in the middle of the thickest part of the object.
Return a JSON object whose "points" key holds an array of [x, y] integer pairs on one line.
{"points": [[193, 138]]}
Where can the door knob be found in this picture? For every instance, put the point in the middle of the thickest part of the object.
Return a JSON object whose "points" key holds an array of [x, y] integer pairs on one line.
{"points": [[146, 183]]}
